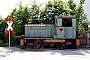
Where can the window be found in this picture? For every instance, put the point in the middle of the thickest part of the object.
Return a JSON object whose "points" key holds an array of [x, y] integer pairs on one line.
{"points": [[66, 22]]}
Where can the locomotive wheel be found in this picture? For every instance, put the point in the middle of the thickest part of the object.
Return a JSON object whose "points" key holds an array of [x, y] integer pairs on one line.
{"points": [[37, 46]]}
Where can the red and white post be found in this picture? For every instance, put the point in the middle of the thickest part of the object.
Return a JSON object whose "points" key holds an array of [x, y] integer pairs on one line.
{"points": [[7, 30]]}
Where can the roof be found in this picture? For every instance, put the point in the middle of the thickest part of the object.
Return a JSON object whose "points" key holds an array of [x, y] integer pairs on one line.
{"points": [[39, 25], [66, 17]]}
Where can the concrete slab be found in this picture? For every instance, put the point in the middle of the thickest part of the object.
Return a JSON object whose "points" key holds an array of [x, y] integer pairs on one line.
{"points": [[19, 54]]}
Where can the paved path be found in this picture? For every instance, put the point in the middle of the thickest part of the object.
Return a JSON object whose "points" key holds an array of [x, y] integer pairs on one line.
{"points": [[18, 54]]}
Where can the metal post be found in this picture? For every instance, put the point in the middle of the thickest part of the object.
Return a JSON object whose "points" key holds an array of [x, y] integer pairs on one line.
{"points": [[9, 39]]}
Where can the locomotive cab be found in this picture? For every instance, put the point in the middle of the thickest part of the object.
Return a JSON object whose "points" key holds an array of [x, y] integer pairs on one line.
{"points": [[66, 29]]}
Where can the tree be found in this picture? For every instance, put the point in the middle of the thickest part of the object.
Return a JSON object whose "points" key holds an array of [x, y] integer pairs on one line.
{"points": [[81, 17], [34, 12], [47, 13], [72, 7], [22, 17], [2, 28], [51, 9], [78, 11]]}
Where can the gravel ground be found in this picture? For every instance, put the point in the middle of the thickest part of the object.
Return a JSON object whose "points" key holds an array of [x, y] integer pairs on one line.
{"points": [[68, 54]]}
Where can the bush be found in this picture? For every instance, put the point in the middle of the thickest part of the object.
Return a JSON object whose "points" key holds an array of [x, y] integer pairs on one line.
{"points": [[63, 46], [1, 45]]}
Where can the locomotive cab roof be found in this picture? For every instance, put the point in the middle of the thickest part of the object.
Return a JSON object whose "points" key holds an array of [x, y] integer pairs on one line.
{"points": [[67, 17]]}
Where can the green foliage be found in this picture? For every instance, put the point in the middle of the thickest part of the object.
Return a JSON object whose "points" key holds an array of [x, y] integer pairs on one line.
{"points": [[2, 28], [21, 16], [72, 7], [82, 1], [34, 12], [51, 9], [27, 15], [78, 11], [63, 46], [83, 26], [47, 13], [2, 45]]}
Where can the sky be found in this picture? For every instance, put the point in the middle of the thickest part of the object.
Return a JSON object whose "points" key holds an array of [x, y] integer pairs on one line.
{"points": [[6, 6], [87, 8]]}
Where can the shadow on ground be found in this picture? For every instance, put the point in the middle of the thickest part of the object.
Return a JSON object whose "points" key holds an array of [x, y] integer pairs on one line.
{"points": [[4, 51], [51, 52], [69, 52]]}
